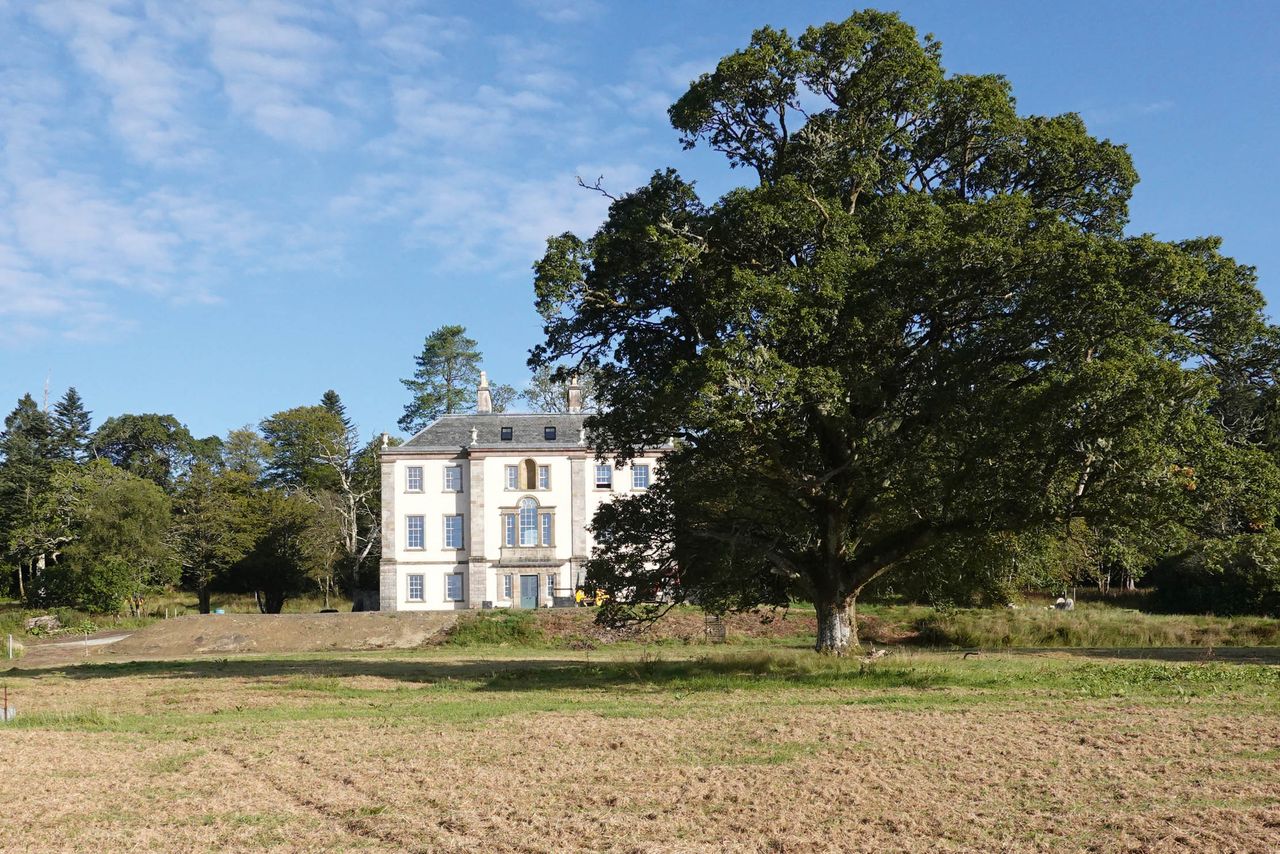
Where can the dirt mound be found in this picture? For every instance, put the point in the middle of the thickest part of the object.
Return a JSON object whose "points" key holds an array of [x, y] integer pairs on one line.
{"points": [[236, 633], [681, 624], [577, 626]]}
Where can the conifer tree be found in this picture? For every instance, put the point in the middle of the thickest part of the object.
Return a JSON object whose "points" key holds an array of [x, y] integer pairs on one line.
{"points": [[28, 450], [72, 426], [448, 372]]}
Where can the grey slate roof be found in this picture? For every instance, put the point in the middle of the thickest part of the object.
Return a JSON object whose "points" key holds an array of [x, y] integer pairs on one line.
{"points": [[454, 431]]}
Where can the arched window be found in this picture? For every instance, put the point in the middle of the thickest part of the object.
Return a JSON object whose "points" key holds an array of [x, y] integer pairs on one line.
{"points": [[528, 522], [528, 475]]}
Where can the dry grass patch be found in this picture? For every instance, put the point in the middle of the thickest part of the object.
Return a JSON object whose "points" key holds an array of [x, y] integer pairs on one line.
{"points": [[632, 752]]}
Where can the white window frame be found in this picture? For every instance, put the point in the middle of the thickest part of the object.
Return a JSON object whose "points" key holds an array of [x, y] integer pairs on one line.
{"points": [[635, 472], [551, 587], [607, 471], [511, 477], [449, 579], [409, 473], [421, 585], [507, 585], [508, 530], [546, 527], [527, 522], [459, 531], [422, 532], [456, 471], [544, 477]]}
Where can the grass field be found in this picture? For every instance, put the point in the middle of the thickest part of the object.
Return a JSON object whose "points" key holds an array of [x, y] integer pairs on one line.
{"points": [[481, 748]]}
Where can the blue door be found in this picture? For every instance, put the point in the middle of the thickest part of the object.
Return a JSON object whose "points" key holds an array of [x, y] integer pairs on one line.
{"points": [[528, 591]]}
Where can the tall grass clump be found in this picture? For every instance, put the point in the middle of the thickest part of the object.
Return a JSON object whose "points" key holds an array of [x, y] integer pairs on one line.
{"points": [[1089, 627], [497, 628]]}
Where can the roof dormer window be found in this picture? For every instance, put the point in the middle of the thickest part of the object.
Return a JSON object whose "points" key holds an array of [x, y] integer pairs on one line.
{"points": [[549, 433], [505, 434]]}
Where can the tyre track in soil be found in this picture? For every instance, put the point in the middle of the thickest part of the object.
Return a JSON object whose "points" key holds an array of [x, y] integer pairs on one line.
{"points": [[359, 826]]}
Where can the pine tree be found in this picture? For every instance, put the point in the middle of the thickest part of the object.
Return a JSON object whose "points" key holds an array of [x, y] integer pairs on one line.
{"points": [[72, 426], [448, 372], [332, 402], [28, 449]]}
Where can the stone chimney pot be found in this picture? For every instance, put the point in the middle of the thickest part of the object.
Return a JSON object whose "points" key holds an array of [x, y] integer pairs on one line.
{"points": [[575, 395], [484, 400]]}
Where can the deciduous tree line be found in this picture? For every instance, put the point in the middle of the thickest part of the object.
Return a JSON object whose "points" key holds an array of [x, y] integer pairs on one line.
{"points": [[100, 518]]}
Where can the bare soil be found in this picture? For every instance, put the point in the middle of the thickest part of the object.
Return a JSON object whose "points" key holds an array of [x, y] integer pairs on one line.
{"points": [[685, 625], [223, 634], [689, 625]]}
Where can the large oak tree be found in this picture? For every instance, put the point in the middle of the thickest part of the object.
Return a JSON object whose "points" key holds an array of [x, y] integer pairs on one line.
{"points": [[922, 320]]}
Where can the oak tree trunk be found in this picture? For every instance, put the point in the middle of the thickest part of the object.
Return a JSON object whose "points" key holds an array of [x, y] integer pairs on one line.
{"points": [[837, 626], [202, 593]]}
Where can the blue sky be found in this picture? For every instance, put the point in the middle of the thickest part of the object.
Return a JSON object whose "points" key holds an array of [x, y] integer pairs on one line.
{"points": [[221, 208]]}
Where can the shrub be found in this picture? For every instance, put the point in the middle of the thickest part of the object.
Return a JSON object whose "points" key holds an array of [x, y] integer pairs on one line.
{"points": [[1236, 575], [503, 627]]}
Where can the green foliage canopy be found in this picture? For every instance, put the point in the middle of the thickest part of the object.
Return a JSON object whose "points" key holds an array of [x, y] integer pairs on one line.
{"points": [[213, 526], [924, 321], [157, 447], [119, 551]]}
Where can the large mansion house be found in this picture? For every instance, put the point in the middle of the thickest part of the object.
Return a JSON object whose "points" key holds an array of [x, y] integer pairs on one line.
{"points": [[491, 509]]}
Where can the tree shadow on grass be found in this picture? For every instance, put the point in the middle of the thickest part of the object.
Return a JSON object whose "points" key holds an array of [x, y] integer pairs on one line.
{"points": [[723, 671]]}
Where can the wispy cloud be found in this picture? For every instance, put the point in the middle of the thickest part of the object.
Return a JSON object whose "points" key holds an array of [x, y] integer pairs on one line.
{"points": [[564, 11], [136, 70], [1121, 113], [168, 151], [408, 37], [475, 220], [657, 77], [273, 65], [62, 221]]}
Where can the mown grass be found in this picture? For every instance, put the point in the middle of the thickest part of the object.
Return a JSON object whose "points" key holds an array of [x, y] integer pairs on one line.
{"points": [[444, 689]]}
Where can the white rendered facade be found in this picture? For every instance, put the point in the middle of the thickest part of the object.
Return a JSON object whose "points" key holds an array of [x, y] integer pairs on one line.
{"points": [[460, 529]]}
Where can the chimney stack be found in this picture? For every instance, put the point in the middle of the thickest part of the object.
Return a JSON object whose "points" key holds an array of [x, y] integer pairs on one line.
{"points": [[575, 394], [484, 400]]}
